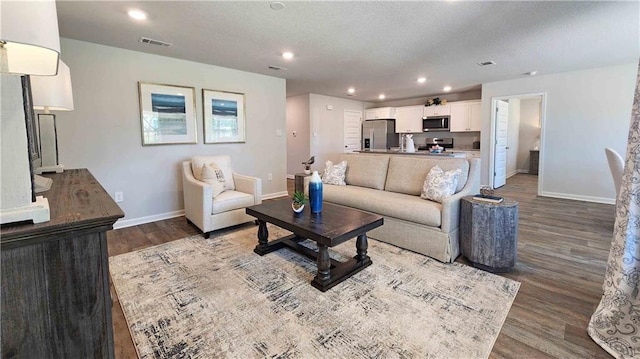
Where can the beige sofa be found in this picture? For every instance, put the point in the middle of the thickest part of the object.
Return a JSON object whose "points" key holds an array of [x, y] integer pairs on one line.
{"points": [[390, 185]]}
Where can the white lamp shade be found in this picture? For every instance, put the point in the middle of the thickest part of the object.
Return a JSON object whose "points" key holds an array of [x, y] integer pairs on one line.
{"points": [[53, 92], [30, 32]]}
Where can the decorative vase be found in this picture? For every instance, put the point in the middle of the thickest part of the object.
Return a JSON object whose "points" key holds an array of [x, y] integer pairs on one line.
{"points": [[299, 209], [307, 171], [315, 193]]}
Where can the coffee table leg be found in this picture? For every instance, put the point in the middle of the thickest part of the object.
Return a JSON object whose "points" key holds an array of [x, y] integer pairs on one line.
{"points": [[263, 235], [361, 246], [324, 264]]}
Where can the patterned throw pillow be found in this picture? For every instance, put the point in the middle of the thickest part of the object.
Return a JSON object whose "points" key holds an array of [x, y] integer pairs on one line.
{"points": [[439, 184], [334, 174], [213, 175]]}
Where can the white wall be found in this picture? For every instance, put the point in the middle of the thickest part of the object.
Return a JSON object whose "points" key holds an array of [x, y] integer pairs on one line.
{"points": [[103, 132], [586, 111], [327, 127], [298, 121], [529, 130]]}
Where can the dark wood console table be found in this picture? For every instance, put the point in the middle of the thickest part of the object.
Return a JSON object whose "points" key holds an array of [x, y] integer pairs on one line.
{"points": [[55, 275]]}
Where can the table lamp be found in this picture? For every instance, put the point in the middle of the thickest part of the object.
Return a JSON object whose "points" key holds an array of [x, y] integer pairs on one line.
{"points": [[29, 45], [51, 93]]}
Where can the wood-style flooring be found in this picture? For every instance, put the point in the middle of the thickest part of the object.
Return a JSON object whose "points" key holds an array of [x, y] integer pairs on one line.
{"points": [[563, 247]]}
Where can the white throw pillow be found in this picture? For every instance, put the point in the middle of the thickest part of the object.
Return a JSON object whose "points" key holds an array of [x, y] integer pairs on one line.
{"points": [[214, 176], [439, 184], [334, 174], [222, 162]]}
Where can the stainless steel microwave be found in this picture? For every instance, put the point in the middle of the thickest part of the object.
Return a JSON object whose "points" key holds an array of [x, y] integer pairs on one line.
{"points": [[435, 123]]}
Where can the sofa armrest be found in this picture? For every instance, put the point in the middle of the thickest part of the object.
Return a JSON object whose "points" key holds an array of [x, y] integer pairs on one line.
{"points": [[451, 206], [198, 198], [250, 185]]}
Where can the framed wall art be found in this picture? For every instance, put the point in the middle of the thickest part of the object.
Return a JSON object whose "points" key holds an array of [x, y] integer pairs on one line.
{"points": [[223, 114], [167, 114]]}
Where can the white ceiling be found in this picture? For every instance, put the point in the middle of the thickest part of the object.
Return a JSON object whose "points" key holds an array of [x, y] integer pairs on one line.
{"points": [[374, 46]]}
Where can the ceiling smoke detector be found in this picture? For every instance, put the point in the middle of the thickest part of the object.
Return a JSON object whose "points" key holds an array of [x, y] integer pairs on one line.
{"points": [[146, 40], [276, 68], [486, 63]]}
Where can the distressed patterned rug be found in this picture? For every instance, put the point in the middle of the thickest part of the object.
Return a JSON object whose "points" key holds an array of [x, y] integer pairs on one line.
{"points": [[215, 298]]}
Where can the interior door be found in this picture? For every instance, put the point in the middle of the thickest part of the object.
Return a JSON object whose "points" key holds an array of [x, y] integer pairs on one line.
{"points": [[352, 133], [500, 160]]}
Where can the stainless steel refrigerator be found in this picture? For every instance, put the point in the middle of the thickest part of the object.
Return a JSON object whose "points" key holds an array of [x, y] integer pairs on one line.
{"points": [[379, 135]]}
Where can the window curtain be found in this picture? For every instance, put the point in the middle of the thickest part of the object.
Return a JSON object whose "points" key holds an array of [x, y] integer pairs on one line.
{"points": [[615, 325]]}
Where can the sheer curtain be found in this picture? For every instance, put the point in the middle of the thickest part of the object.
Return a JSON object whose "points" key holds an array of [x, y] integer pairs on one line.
{"points": [[615, 325]]}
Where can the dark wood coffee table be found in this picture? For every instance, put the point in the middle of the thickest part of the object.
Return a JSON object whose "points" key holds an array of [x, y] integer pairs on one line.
{"points": [[334, 225]]}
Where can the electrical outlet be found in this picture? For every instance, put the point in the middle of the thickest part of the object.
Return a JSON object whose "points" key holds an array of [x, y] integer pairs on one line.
{"points": [[270, 177], [119, 197]]}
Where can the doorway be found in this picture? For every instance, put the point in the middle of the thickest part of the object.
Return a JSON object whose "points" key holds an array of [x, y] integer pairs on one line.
{"points": [[517, 128]]}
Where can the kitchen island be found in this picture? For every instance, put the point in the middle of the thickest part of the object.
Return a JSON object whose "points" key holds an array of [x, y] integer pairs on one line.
{"points": [[445, 154]]}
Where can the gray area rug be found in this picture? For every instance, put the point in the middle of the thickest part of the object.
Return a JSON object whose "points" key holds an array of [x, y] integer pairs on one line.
{"points": [[215, 298]]}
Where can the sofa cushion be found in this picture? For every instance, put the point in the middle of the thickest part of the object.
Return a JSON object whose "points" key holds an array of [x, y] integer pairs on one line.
{"points": [[222, 162], [407, 173], [230, 200], [440, 185], [366, 170], [388, 204]]}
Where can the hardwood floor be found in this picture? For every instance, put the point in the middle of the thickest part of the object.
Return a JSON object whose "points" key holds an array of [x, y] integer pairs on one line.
{"points": [[563, 247]]}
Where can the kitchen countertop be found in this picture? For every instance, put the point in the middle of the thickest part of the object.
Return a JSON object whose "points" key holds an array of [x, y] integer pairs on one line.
{"points": [[417, 153]]}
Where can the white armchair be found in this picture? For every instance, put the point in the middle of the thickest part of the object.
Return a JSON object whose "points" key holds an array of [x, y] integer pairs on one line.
{"points": [[226, 209]]}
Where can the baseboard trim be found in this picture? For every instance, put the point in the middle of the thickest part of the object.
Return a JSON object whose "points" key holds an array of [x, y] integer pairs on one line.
{"points": [[147, 219], [275, 195], [523, 171], [578, 197], [168, 215]]}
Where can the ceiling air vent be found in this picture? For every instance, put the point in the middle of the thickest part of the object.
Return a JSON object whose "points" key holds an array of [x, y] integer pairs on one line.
{"points": [[486, 63], [146, 40], [276, 68]]}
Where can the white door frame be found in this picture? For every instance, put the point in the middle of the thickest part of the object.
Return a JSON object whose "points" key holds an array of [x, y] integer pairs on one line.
{"points": [[492, 133]]}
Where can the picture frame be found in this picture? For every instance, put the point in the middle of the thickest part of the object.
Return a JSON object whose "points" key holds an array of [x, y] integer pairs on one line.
{"points": [[167, 114], [223, 114]]}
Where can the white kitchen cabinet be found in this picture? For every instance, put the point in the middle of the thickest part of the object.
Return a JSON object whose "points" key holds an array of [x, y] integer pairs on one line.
{"points": [[465, 116], [475, 116], [379, 113], [409, 119], [439, 110]]}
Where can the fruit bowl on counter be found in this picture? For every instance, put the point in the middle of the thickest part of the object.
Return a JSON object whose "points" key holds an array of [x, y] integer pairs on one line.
{"points": [[436, 149]]}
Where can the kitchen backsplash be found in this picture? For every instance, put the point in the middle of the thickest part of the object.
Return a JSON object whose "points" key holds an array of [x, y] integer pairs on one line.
{"points": [[461, 140]]}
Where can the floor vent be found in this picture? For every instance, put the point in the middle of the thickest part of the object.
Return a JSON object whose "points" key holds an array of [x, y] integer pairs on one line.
{"points": [[146, 40]]}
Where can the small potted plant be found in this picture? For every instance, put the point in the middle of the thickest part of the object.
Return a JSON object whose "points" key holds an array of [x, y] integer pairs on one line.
{"points": [[299, 199]]}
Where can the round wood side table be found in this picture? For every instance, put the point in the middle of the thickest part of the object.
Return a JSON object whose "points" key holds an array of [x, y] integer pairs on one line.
{"points": [[489, 233]]}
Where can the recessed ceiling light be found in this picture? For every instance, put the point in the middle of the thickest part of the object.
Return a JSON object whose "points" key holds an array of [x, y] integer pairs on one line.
{"points": [[276, 5], [532, 73], [381, 96], [351, 90], [287, 55], [137, 14], [422, 80], [446, 88]]}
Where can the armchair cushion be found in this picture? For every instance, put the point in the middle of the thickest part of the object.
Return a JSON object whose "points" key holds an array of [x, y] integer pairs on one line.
{"points": [[213, 176], [230, 200], [222, 162]]}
